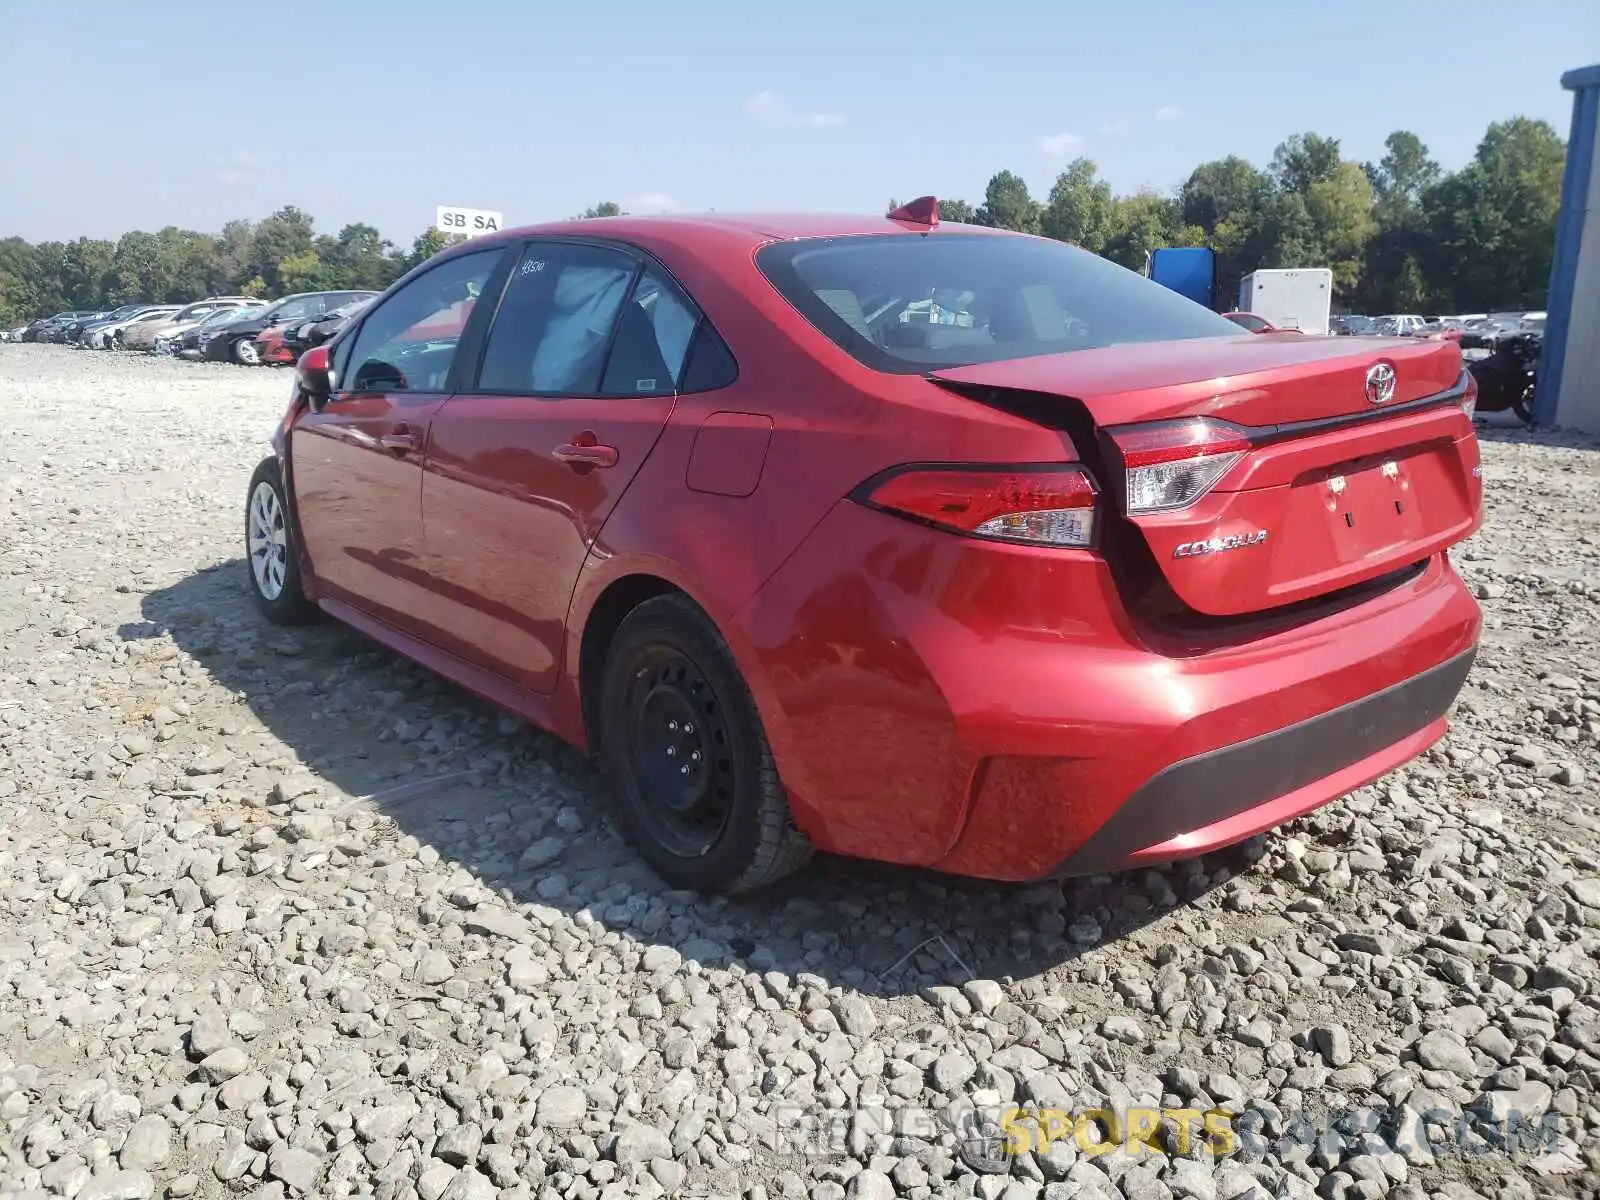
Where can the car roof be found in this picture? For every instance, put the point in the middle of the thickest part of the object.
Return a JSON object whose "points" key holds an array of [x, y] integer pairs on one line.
{"points": [[750, 228]]}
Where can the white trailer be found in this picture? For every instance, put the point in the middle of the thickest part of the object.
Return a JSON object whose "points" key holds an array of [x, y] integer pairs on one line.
{"points": [[1292, 299]]}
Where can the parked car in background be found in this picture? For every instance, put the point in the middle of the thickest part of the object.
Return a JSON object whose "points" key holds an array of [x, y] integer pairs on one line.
{"points": [[270, 350], [1255, 324], [146, 336], [186, 341], [32, 331], [107, 335], [53, 329], [74, 330], [235, 341], [1400, 325], [1022, 598], [298, 338]]}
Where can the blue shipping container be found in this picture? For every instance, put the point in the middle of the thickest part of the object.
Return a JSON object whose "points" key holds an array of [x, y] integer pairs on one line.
{"points": [[1188, 270]]}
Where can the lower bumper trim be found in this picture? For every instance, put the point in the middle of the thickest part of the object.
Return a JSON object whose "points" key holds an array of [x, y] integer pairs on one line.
{"points": [[1215, 791]]}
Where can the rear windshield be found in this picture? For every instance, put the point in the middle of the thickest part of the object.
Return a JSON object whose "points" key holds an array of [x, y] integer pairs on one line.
{"points": [[911, 303]]}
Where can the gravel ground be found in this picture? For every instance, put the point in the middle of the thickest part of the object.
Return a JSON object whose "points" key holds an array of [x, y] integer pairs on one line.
{"points": [[282, 915]]}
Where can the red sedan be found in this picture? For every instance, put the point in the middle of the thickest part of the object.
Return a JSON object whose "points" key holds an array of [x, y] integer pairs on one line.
{"points": [[918, 542]]}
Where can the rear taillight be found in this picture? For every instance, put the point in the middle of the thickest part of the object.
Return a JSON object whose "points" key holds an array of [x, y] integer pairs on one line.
{"points": [[1168, 465], [1037, 506], [1469, 396]]}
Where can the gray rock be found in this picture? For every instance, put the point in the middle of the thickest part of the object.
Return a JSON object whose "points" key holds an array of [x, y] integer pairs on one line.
{"points": [[148, 1143], [298, 1169], [560, 1106], [640, 1144], [1444, 1050], [855, 1015], [871, 1185], [119, 1185], [1333, 1043]]}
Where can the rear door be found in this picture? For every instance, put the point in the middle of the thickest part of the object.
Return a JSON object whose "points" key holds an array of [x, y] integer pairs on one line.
{"points": [[579, 374], [358, 463]]}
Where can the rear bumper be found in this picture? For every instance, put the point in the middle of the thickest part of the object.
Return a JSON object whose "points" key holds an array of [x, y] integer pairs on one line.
{"points": [[993, 712], [1224, 796]]}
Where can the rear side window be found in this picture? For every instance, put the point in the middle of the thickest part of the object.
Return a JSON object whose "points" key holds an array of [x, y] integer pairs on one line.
{"points": [[910, 303], [555, 320], [653, 335]]}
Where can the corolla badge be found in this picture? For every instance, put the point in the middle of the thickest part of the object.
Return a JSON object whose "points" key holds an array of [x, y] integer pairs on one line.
{"points": [[1380, 383], [1219, 545]]}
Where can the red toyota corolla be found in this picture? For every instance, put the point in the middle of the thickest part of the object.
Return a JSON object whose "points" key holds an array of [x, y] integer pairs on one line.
{"points": [[917, 542]]}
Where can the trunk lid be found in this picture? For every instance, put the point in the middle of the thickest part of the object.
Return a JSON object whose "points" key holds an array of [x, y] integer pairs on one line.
{"points": [[1336, 487]]}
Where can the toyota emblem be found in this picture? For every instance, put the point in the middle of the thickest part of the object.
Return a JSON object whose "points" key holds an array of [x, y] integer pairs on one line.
{"points": [[1380, 383]]}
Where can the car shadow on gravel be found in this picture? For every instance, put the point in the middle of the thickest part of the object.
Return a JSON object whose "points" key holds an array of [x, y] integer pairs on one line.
{"points": [[525, 816]]}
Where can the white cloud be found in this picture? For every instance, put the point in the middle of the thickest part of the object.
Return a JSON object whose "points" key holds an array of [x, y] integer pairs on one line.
{"points": [[1168, 112], [1058, 144], [772, 109], [649, 202]]}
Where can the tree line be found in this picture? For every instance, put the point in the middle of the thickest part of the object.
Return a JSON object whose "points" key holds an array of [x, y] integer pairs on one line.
{"points": [[1401, 234]]}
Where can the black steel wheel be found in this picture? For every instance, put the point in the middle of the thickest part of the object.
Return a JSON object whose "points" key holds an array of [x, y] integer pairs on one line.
{"points": [[681, 741], [679, 752]]}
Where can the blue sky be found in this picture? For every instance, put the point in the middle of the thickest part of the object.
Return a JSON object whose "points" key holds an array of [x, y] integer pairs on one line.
{"points": [[116, 116]]}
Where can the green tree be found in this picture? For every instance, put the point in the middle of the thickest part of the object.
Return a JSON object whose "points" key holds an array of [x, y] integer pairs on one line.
{"points": [[1491, 225], [1405, 171], [1392, 277], [1303, 159], [1007, 205], [606, 208], [303, 272], [428, 243], [1081, 208], [135, 267], [358, 258], [1144, 222], [285, 235], [1220, 191]]}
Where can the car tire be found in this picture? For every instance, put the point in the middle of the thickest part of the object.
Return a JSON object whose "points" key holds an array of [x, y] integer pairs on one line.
{"points": [[243, 351], [271, 559], [681, 743]]}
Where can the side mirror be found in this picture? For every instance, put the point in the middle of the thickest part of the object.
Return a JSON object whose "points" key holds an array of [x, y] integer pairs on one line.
{"points": [[314, 375]]}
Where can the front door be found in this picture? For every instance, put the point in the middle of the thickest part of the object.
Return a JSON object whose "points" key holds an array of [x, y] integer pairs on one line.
{"points": [[579, 376], [358, 463]]}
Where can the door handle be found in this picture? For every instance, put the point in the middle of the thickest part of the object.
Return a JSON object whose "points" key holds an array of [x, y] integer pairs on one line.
{"points": [[401, 441], [585, 451]]}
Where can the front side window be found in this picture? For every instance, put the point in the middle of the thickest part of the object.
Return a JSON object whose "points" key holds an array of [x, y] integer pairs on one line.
{"points": [[554, 324], [911, 303], [408, 342]]}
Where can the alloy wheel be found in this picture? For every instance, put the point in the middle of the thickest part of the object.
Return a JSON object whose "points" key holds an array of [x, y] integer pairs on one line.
{"points": [[268, 541]]}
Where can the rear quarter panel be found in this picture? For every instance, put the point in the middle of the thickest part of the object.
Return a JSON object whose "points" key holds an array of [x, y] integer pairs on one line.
{"points": [[834, 425]]}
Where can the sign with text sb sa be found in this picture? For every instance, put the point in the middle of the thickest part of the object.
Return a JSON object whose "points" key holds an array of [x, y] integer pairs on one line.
{"points": [[470, 222]]}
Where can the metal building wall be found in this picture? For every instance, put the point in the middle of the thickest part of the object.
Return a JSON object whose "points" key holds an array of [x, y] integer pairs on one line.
{"points": [[1569, 375]]}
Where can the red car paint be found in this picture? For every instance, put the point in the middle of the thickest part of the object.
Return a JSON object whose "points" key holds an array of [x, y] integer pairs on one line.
{"points": [[986, 708], [269, 345]]}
